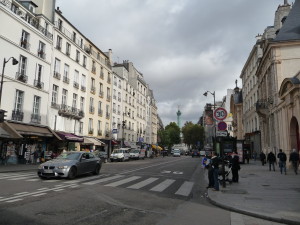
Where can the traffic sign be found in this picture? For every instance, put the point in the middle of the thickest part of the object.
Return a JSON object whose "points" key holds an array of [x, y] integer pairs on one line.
{"points": [[220, 113], [222, 125], [221, 133]]}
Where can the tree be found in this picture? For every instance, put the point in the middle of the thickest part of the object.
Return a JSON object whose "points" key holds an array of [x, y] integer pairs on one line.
{"points": [[192, 134]]}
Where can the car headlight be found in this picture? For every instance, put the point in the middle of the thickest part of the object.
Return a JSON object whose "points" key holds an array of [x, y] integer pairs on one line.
{"points": [[40, 167], [62, 167]]}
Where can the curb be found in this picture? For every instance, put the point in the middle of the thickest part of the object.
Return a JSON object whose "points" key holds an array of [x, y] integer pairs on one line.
{"points": [[273, 219]]}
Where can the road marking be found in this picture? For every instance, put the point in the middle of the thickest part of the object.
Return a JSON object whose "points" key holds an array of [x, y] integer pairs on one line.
{"points": [[50, 181], [21, 193], [103, 180], [124, 181], [162, 186], [84, 179], [21, 178], [143, 183], [15, 200], [166, 171], [177, 172], [185, 189], [37, 195], [32, 180]]}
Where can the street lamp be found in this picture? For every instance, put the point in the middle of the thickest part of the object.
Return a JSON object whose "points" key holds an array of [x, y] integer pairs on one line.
{"points": [[14, 62], [213, 94]]}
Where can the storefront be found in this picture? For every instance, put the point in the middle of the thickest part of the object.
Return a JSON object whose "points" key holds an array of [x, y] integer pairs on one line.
{"points": [[25, 143], [92, 144], [70, 142]]}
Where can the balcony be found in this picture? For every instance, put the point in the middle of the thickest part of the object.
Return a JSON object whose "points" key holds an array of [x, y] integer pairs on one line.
{"points": [[57, 75], [94, 70], [107, 115], [58, 47], [55, 105], [93, 90], [108, 98], [100, 112], [83, 88], [101, 94], [102, 75], [99, 132], [21, 77], [38, 84], [92, 109], [17, 115], [24, 44], [35, 118], [41, 54], [76, 85], [70, 112], [91, 131], [66, 79], [262, 107]]}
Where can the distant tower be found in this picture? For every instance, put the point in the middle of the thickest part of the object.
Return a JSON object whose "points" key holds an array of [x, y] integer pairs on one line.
{"points": [[178, 117]]}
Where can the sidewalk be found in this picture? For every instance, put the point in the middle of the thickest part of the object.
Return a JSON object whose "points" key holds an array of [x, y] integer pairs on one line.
{"points": [[262, 193], [18, 167]]}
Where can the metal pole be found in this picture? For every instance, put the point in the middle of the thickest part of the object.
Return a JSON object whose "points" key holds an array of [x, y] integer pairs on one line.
{"points": [[123, 126], [4, 62]]}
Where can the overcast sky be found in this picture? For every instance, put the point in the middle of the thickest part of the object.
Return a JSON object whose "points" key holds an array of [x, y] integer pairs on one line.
{"points": [[182, 47]]}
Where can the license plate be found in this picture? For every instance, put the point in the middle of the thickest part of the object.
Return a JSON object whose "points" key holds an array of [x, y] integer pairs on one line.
{"points": [[48, 171]]}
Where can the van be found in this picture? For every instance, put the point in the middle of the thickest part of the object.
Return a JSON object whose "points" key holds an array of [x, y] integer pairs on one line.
{"points": [[121, 154], [137, 153]]}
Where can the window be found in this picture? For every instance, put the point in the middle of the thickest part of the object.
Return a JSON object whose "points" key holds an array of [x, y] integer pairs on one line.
{"points": [[68, 49], [99, 128], [100, 108], [91, 126], [74, 37], [25, 40], [66, 74], [64, 97], [93, 85], [101, 90], [81, 42], [84, 61], [81, 103], [36, 105], [77, 56], [41, 50], [57, 66], [74, 102], [83, 81], [54, 94], [38, 78], [80, 127], [22, 65], [107, 111], [58, 42], [92, 109], [93, 67], [108, 93], [59, 24], [19, 101]]}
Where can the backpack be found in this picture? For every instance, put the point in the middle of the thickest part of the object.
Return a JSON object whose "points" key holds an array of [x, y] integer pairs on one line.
{"points": [[282, 157]]}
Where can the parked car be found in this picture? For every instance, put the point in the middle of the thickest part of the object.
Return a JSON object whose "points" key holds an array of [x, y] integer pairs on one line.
{"points": [[176, 152], [121, 154], [137, 154], [70, 165], [102, 155], [195, 153]]}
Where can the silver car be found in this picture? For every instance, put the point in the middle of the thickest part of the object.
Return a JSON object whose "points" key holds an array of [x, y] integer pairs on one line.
{"points": [[70, 164]]}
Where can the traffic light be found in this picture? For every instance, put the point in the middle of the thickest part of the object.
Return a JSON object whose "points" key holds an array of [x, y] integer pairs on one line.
{"points": [[2, 115]]}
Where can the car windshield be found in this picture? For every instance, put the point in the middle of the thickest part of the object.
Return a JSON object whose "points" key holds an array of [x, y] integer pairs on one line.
{"points": [[176, 151], [118, 151], [69, 155], [135, 151]]}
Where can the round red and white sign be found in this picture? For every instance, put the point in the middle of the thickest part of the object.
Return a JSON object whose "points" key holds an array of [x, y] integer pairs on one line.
{"points": [[220, 113]]}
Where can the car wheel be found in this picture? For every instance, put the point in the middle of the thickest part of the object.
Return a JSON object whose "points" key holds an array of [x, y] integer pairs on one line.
{"points": [[72, 173], [97, 169], [122, 160]]}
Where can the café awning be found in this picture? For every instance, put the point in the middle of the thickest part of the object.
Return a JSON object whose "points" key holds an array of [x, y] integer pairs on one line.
{"points": [[6, 131], [92, 141], [70, 137]]}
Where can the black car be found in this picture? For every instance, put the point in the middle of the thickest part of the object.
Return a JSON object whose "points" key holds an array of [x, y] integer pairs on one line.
{"points": [[195, 153]]}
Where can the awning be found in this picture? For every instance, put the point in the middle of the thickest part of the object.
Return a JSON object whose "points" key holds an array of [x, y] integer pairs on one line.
{"points": [[159, 148], [114, 142], [156, 147], [33, 130], [70, 137], [6, 131], [92, 141]]}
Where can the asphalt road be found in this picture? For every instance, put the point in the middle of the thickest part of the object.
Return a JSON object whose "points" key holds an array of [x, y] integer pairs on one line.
{"points": [[160, 191]]}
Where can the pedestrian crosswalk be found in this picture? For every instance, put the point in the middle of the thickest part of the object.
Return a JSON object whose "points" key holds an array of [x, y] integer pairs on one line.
{"points": [[152, 184]]}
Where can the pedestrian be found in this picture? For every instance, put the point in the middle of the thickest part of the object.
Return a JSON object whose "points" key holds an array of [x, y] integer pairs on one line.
{"points": [[271, 159], [282, 161], [262, 158], [247, 156], [210, 174], [255, 155], [215, 165], [294, 158], [235, 167]]}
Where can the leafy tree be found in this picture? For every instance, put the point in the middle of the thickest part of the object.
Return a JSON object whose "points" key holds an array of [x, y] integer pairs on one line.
{"points": [[192, 133]]}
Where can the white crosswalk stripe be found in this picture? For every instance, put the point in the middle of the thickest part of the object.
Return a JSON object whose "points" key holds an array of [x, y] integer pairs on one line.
{"points": [[143, 183], [162, 186], [185, 189], [124, 181], [103, 180]]}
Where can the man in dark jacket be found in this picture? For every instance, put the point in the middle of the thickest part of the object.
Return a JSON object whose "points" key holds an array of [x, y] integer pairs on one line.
{"points": [[294, 158], [262, 158], [235, 167], [282, 161], [215, 165], [271, 159]]}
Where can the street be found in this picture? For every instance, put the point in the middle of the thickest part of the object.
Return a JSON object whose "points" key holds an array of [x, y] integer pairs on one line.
{"points": [[164, 190]]}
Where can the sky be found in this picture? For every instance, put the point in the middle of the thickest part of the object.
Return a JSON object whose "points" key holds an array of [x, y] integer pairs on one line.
{"points": [[183, 48]]}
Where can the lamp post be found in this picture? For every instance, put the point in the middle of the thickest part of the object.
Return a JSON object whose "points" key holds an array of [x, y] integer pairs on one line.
{"points": [[14, 62], [213, 94]]}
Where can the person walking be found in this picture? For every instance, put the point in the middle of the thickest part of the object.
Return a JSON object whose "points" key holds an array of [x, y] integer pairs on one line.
{"points": [[215, 165], [294, 158], [247, 156], [235, 167], [262, 158], [282, 161], [271, 159], [210, 174]]}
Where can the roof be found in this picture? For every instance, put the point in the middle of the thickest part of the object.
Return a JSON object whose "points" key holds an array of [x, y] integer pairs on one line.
{"points": [[290, 30]]}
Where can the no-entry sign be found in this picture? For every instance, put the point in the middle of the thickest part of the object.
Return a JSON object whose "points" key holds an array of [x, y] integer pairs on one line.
{"points": [[222, 125], [220, 113]]}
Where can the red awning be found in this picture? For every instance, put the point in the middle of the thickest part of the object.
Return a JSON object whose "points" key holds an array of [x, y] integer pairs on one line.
{"points": [[114, 142], [70, 137]]}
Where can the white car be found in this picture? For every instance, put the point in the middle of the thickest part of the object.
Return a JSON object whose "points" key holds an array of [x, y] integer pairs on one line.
{"points": [[176, 152], [121, 154], [137, 154]]}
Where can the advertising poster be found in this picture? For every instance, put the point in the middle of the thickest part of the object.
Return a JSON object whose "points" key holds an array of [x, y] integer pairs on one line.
{"points": [[239, 149]]}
